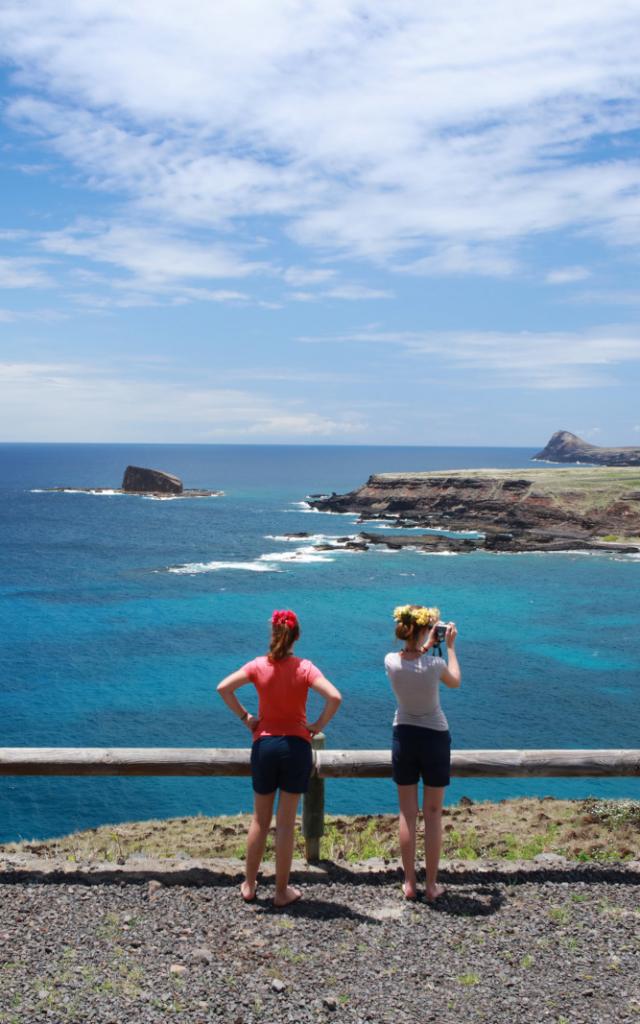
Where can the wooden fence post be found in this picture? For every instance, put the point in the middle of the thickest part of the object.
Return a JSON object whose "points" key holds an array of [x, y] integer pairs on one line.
{"points": [[313, 807]]}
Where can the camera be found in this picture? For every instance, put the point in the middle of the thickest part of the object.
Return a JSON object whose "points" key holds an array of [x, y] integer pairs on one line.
{"points": [[441, 632]]}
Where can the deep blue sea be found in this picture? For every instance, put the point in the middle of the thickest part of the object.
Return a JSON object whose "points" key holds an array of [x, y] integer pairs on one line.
{"points": [[119, 614]]}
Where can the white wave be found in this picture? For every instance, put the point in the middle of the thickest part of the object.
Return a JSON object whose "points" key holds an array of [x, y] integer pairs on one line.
{"points": [[317, 511], [454, 533], [385, 524], [303, 554], [301, 504], [72, 490], [317, 538], [98, 492], [380, 523], [195, 568]]}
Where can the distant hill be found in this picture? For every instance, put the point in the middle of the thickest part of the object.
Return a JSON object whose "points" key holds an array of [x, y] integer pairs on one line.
{"points": [[567, 447]]}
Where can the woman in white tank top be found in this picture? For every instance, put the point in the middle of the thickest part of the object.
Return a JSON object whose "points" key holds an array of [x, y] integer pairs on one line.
{"points": [[421, 740]]}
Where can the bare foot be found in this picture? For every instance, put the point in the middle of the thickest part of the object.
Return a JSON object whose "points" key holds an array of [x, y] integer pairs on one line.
{"points": [[248, 891], [433, 892], [290, 895], [409, 890]]}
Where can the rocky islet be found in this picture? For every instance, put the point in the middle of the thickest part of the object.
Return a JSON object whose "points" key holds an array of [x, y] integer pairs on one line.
{"points": [[150, 483]]}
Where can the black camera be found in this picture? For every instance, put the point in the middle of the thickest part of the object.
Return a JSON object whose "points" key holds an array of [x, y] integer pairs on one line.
{"points": [[441, 632]]}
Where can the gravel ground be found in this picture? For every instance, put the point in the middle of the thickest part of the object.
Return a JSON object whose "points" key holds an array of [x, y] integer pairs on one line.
{"points": [[493, 951]]}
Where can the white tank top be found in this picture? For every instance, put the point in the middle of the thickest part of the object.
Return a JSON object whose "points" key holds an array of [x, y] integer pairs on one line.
{"points": [[416, 684]]}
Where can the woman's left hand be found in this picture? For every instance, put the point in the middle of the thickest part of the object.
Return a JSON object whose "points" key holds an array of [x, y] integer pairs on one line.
{"points": [[251, 723]]}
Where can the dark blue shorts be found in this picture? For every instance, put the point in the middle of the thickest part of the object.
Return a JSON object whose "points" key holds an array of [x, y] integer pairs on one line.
{"points": [[420, 753], [281, 762]]}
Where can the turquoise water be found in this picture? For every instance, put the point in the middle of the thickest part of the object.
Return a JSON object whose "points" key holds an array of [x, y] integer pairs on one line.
{"points": [[118, 616]]}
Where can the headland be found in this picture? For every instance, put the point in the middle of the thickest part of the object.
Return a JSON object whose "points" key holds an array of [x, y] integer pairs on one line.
{"points": [[505, 510], [563, 446]]}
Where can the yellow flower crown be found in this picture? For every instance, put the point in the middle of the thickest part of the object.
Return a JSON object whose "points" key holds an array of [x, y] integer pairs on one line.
{"points": [[419, 616]]}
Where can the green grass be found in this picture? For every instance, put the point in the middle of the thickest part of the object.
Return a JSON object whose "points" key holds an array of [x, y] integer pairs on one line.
{"points": [[588, 830], [559, 915]]}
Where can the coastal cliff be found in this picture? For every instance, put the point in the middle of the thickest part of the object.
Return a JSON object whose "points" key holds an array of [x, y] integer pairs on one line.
{"points": [[536, 509], [564, 446]]}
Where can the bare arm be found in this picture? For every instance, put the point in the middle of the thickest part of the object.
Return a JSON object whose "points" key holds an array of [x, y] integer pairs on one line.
{"points": [[227, 690], [332, 699], [451, 675]]}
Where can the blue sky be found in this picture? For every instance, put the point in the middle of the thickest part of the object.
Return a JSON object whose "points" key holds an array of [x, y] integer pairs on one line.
{"points": [[319, 222]]}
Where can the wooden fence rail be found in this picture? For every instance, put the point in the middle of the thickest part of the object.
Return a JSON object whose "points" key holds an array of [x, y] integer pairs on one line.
{"points": [[329, 764]]}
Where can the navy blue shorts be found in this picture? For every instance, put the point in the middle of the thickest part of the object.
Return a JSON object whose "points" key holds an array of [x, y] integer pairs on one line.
{"points": [[281, 762], [420, 753]]}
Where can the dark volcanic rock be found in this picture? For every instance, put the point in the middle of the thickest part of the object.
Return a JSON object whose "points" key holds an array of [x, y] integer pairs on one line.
{"points": [[422, 541], [150, 481], [567, 447], [516, 510]]}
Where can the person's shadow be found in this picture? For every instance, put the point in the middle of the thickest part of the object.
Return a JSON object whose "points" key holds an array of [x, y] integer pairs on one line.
{"points": [[483, 901], [319, 910]]}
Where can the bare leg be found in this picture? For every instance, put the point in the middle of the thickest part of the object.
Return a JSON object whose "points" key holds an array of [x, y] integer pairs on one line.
{"points": [[408, 799], [256, 840], [432, 807], [285, 826]]}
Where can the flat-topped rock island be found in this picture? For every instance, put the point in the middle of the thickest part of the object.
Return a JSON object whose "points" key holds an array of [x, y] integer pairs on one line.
{"points": [[150, 483], [507, 510]]}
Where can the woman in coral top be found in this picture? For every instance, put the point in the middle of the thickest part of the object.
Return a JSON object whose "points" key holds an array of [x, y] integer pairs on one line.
{"points": [[281, 757]]}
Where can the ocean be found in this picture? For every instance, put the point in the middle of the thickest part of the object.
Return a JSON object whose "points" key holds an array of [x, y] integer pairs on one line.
{"points": [[119, 615]]}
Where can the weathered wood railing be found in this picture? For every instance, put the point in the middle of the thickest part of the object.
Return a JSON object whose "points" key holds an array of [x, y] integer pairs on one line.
{"points": [[329, 764]]}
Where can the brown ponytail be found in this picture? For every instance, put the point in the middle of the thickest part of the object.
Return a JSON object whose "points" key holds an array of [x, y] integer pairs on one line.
{"points": [[285, 630], [407, 630]]}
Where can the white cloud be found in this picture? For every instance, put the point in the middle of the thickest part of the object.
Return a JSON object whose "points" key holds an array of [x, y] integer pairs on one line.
{"points": [[461, 258], [357, 292], [19, 272], [588, 431], [538, 360], [60, 402], [608, 297], [567, 275], [151, 257], [438, 135], [348, 292], [305, 276]]}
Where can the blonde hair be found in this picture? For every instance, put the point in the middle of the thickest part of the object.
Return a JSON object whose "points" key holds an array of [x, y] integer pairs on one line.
{"points": [[411, 619]]}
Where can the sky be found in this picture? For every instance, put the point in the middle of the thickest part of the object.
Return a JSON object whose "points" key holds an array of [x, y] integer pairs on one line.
{"points": [[320, 222]]}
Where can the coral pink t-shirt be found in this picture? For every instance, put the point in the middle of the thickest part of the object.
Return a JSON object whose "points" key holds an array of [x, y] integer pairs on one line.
{"points": [[282, 694]]}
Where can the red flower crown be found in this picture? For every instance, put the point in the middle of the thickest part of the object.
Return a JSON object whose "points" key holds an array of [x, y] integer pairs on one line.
{"points": [[284, 618]]}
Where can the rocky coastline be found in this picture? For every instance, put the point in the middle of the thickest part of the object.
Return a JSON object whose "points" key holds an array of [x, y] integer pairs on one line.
{"points": [[505, 510]]}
